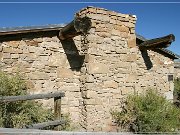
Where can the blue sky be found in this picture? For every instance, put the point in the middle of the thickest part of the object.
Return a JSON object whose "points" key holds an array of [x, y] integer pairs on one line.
{"points": [[154, 19]]}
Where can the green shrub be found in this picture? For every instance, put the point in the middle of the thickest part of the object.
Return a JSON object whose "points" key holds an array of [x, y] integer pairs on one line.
{"points": [[148, 113], [177, 85], [20, 113]]}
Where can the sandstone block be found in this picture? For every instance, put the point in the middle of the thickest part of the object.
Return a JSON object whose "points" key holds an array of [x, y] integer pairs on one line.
{"points": [[105, 18], [7, 50], [131, 78], [89, 58], [39, 40], [89, 78], [25, 49], [24, 64], [171, 69], [122, 64], [107, 41], [30, 57], [16, 50], [91, 94], [6, 56], [38, 75], [132, 43], [110, 84], [93, 101], [14, 56], [121, 50], [104, 34], [13, 43], [97, 68], [157, 61], [90, 102], [127, 90], [54, 45], [113, 21], [32, 49], [122, 28], [38, 64], [101, 28], [55, 39], [131, 57], [124, 34], [134, 50], [49, 84], [31, 43], [92, 38], [129, 24], [57, 59], [117, 95], [45, 53], [116, 32], [64, 73]]}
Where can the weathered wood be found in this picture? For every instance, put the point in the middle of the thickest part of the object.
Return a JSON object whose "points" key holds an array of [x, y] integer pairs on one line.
{"points": [[156, 43], [76, 27], [57, 111], [45, 124], [30, 97]]}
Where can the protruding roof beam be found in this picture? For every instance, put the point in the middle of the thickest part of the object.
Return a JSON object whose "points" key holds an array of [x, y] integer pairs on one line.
{"points": [[76, 27], [156, 43]]}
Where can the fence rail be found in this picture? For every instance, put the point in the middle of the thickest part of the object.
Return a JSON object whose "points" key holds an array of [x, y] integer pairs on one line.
{"points": [[57, 107], [31, 97], [46, 124]]}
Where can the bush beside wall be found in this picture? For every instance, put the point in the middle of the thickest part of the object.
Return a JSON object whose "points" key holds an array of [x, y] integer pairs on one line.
{"points": [[21, 113], [177, 92], [148, 113]]}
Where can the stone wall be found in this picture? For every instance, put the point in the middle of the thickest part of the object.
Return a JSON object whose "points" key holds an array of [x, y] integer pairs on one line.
{"points": [[96, 71], [47, 64], [115, 67]]}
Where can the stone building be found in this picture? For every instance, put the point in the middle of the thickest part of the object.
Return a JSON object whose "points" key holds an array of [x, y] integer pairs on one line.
{"points": [[97, 60]]}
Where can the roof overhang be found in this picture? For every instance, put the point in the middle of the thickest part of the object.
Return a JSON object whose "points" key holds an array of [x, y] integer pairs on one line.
{"points": [[19, 30], [158, 44], [162, 42]]}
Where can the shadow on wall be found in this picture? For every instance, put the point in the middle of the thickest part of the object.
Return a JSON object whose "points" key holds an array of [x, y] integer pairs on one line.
{"points": [[146, 59], [75, 60]]}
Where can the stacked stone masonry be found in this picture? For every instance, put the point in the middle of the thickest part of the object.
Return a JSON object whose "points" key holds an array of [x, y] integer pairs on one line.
{"points": [[96, 71]]}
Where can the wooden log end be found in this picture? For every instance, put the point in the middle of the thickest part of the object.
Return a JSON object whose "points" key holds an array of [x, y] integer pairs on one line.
{"points": [[76, 27]]}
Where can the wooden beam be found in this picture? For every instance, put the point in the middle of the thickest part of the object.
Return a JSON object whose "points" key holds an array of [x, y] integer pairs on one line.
{"points": [[57, 111], [31, 97], [45, 124], [156, 43], [76, 27], [30, 30]]}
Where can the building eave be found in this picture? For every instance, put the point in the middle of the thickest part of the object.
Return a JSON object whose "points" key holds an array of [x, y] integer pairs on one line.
{"points": [[19, 30], [158, 44]]}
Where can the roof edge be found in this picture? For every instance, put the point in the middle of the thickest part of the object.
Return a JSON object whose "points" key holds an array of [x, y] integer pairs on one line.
{"points": [[18, 30], [163, 50]]}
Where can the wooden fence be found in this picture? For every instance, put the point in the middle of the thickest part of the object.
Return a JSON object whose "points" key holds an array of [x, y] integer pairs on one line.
{"points": [[57, 108]]}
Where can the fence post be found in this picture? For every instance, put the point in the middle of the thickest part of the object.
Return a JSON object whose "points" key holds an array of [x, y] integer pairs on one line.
{"points": [[57, 111]]}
